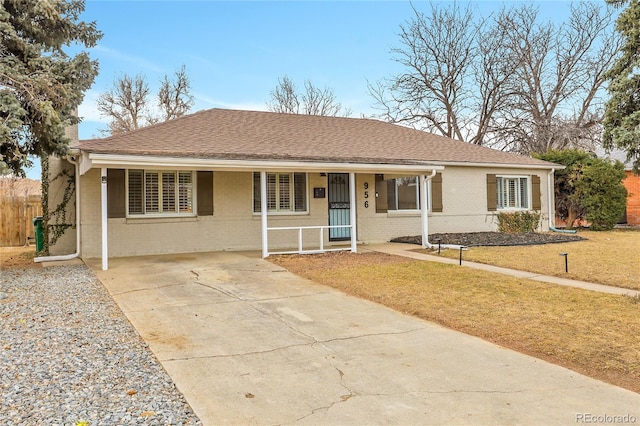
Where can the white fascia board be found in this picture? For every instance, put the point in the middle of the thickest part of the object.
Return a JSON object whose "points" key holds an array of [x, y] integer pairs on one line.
{"points": [[148, 162], [85, 163], [501, 165]]}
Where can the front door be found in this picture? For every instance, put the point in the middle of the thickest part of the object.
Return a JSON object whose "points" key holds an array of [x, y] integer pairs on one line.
{"points": [[339, 207]]}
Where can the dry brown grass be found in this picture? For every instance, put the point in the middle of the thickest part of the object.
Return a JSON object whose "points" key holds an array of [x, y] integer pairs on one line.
{"points": [[18, 257], [592, 333], [610, 258]]}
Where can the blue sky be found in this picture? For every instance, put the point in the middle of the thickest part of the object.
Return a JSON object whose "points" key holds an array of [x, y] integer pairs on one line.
{"points": [[235, 51]]}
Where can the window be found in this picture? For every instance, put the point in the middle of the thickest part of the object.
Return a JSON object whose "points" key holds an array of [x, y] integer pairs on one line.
{"points": [[286, 192], [160, 192], [513, 192], [403, 194]]}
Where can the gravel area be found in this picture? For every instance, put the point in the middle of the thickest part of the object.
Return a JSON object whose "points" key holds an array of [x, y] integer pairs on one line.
{"points": [[69, 356], [476, 239]]}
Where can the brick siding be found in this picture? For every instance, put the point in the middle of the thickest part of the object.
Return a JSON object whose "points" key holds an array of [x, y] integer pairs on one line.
{"points": [[632, 183]]}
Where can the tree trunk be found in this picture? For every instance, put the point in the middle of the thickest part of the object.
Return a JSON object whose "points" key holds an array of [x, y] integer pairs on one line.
{"points": [[571, 219]]}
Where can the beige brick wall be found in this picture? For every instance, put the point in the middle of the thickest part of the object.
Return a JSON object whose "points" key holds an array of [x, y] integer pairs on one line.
{"points": [[464, 199], [59, 172], [234, 226], [379, 227], [66, 244]]}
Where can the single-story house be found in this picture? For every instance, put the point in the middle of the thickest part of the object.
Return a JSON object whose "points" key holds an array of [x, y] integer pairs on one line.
{"points": [[245, 180]]}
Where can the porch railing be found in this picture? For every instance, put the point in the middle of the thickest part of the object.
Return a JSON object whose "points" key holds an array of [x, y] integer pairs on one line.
{"points": [[301, 249]]}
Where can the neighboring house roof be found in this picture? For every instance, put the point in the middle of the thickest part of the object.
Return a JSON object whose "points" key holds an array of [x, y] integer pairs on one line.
{"points": [[253, 135]]}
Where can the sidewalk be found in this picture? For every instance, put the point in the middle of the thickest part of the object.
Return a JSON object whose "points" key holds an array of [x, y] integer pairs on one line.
{"points": [[402, 249]]}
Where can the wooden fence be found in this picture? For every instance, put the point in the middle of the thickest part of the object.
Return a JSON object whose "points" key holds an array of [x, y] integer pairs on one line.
{"points": [[16, 219]]}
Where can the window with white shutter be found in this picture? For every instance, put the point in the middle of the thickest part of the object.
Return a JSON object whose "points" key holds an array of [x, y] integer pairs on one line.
{"points": [[286, 192], [152, 193]]}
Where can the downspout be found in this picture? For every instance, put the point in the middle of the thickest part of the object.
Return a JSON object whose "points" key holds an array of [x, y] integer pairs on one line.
{"points": [[424, 180], [73, 161], [551, 203]]}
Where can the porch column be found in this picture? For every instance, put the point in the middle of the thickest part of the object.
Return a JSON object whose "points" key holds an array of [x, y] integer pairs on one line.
{"points": [[103, 193], [424, 209], [352, 211], [263, 214]]}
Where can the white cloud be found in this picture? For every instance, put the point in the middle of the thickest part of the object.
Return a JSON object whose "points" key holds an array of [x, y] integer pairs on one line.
{"points": [[88, 109], [135, 60]]}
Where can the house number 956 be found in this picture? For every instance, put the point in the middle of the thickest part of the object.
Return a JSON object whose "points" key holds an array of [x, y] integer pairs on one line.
{"points": [[366, 195]]}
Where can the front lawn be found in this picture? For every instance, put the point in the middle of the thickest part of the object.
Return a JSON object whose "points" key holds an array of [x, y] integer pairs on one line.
{"points": [[592, 333], [610, 258]]}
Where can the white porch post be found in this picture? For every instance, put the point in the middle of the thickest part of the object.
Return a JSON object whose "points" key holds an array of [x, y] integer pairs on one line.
{"points": [[352, 211], [263, 214], [424, 209], [103, 193]]}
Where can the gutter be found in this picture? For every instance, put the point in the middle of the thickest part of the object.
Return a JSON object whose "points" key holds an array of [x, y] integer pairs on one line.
{"points": [[552, 214], [73, 160]]}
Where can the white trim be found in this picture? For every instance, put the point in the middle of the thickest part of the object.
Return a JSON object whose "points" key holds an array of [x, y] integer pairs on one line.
{"points": [[424, 209], [264, 213], [405, 213], [529, 191], [194, 192], [498, 165], [551, 200], [352, 211], [419, 195], [151, 162], [90, 160], [292, 196], [105, 235]]}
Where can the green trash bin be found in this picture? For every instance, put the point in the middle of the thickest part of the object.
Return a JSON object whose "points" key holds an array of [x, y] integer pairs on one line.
{"points": [[37, 226]]}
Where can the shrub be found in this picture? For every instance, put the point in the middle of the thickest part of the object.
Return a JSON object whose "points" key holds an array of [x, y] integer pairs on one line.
{"points": [[588, 188], [518, 222], [602, 194]]}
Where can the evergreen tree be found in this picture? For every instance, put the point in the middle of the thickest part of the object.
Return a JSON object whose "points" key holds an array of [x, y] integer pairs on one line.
{"points": [[40, 84], [588, 188], [622, 114]]}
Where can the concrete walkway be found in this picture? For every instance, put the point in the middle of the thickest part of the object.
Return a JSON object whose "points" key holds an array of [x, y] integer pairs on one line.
{"points": [[406, 250], [247, 342]]}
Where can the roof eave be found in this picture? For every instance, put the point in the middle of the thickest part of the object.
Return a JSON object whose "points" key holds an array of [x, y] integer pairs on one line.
{"points": [[95, 160], [548, 166]]}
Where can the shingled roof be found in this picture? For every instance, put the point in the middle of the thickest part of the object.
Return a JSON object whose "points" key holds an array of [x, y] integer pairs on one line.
{"points": [[253, 135]]}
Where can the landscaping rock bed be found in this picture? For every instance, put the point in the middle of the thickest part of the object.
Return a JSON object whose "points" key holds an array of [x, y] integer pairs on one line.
{"points": [[477, 239], [69, 356]]}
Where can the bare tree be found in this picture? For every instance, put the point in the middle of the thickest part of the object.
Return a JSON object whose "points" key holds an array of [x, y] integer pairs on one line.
{"points": [[555, 101], [174, 97], [507, 80], [436, 92], [128, 104], [285, 98]]}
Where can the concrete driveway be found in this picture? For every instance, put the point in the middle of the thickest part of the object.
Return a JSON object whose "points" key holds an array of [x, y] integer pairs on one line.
{"points": [[250, 343]]}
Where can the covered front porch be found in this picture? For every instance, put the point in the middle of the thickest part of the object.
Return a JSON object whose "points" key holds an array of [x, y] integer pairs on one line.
{"points": [[356, 205]]}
